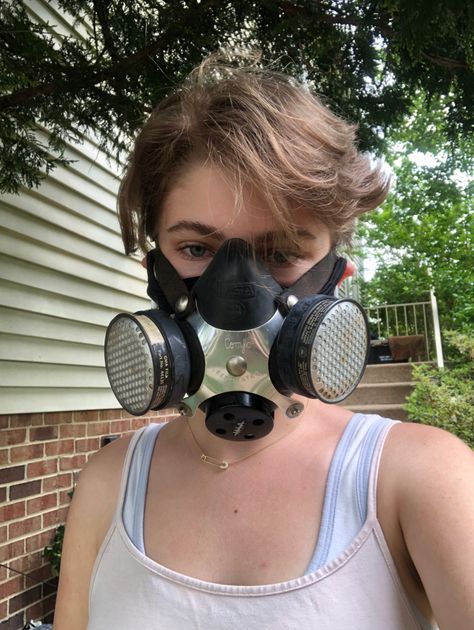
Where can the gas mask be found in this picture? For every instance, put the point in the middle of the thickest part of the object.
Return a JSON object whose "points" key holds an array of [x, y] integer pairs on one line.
{"points": [[236, 344]]}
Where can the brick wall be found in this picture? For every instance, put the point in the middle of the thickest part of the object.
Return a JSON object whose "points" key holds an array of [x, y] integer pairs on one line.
{"points": [[41, 456]]}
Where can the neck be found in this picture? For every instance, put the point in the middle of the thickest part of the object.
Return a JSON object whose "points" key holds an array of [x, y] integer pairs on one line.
{"points": [[230, 451]]}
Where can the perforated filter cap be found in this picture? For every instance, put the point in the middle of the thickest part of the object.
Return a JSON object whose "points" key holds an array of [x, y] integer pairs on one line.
{"points": [[129, 364], [322, 349], [339, 351]]}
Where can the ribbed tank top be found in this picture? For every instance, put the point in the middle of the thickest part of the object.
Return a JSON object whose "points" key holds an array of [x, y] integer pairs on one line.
{"points": [[351, 580]]}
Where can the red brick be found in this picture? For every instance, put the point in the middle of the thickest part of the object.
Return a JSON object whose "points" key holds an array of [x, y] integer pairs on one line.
{"points": [[120, 426], [55, 517], [15, 622], [18, 564], [72, 430], [58, 481], [36, 559], [39, 541], [27, 526], [22, 490], [64, 498], [61, 417], [43, 433], [42, 609], [30, 562], [40, 573], [45, 502], [51, 587], [12, 550], [3, 534], [98, 428], [13, 473], [61, 447], [24, 599], [4, 421], [72, 463], [3, 495], [26, 420], [138, 423], [11, 511], [13, 436], [24, 453], [7, 589], [87, 444], [86, 416], [41, 469], [3, 610], [110, 414], [4, 456]]}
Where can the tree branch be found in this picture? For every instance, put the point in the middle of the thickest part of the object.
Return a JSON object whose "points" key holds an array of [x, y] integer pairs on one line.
{"points": [[101, 11], [292, 9], [81, 78], [445, 62], [24, 96]]}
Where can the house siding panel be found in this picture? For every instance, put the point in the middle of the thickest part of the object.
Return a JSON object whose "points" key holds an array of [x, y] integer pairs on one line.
{"points": [[63, 275]]}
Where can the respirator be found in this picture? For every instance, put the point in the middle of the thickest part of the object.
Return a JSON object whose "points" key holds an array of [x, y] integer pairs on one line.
{"points": [[236, 344]]}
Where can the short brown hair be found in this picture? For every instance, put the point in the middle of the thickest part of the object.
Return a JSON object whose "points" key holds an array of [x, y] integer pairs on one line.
{"points": [[260, 127]]}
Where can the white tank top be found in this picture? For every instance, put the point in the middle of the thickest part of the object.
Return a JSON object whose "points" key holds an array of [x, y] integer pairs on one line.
{"points": [[351, 580]]}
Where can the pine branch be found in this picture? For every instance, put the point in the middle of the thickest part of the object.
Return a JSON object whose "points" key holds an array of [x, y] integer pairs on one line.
{"points": [[79, 78]]}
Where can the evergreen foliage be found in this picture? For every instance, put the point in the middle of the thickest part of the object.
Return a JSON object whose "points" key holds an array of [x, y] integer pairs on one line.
{"points": [[368, 59]]}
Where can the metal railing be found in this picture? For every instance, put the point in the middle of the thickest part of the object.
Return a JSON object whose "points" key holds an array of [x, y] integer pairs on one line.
{"points": [[413, 318]]}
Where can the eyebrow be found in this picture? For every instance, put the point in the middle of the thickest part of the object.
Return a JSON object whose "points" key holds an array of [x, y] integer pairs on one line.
{"points": [[208, 231], [196, 226]]}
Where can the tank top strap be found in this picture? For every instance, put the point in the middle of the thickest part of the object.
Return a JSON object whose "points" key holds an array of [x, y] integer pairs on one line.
{"points": [[348, 502], [131, 504], [373, 474]]}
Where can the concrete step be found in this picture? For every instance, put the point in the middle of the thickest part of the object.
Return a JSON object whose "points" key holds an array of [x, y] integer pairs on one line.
{"points": [[380, 394], [389, 372], [383, 390]]}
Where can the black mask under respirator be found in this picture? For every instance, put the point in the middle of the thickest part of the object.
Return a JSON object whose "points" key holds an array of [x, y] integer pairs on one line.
{"points": [[236, 344]]}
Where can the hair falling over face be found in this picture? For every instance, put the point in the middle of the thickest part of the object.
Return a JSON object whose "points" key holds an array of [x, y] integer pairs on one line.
{"points": [[262, 129]]}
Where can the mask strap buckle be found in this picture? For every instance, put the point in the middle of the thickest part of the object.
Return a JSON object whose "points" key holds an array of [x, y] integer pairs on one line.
{"points": [[321, 279], [170, 291]]}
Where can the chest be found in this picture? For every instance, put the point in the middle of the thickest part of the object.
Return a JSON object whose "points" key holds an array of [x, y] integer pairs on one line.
{"points": [[228, 528]]}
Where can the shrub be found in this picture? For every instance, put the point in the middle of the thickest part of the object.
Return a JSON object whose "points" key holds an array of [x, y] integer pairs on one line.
{"points": [[53, 552], [445, 398]]}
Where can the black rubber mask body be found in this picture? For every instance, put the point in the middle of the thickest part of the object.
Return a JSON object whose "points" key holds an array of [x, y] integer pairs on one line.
{"points": [[166, 287], [240, 307]]}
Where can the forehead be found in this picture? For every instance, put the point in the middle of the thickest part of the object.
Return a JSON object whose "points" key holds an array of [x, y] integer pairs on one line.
{"points": [[204, 195]]}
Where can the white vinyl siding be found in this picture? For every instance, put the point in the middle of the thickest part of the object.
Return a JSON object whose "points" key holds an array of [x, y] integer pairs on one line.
{"points": [[63, 277]]}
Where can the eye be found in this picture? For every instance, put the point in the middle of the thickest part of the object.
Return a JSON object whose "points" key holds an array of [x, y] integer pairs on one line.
{"points": [[195, 251], [281, 258]]}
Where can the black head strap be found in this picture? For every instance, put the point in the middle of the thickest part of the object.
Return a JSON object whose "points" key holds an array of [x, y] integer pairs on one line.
{"points": [[170, 287], [321, 279]]}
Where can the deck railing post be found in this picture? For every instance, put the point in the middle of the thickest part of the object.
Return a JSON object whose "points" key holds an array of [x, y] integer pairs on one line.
{"points": [[437, 331]]}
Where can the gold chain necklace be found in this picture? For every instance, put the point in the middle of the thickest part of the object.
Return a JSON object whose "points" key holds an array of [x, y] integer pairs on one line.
{"points": [[222, 464]]}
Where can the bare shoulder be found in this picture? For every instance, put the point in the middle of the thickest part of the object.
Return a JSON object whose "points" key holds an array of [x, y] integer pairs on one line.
{"points": [[424, 468], [89, 517], [413, 449], [428, 473]]}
